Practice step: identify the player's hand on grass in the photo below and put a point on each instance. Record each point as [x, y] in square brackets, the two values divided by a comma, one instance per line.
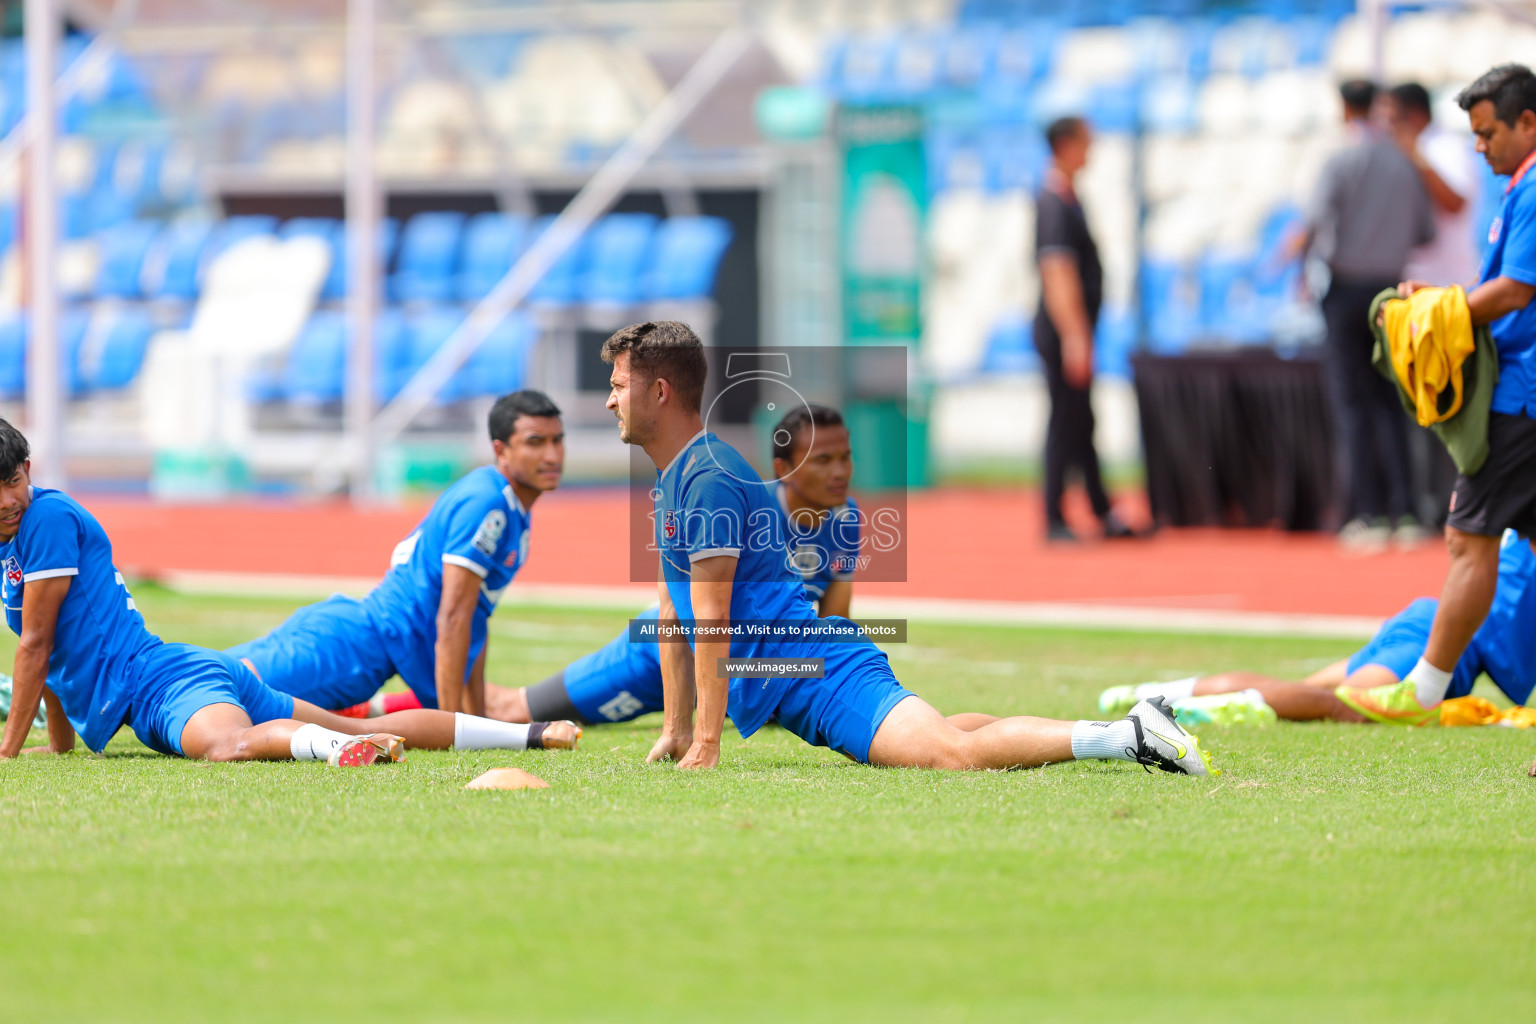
[702, 754]
[670, 747]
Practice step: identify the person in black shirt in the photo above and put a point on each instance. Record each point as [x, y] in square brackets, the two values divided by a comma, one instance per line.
[1071, 290]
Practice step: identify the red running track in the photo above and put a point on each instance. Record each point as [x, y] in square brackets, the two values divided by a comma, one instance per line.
[974, 544]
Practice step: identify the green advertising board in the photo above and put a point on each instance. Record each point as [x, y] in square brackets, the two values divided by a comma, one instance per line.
[884, 207]
[884, 215]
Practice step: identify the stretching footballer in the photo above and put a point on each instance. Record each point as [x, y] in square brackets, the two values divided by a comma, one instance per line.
[813, 465]
[1504, 647]
[84, 651]
[721, 564]
[428, 620]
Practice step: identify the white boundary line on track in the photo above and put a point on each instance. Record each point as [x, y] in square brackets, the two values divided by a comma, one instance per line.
[980, 613]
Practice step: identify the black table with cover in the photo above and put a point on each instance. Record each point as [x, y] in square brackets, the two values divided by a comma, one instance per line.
[1236, 438]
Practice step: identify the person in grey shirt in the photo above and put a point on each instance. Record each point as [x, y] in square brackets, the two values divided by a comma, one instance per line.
[1370, 210]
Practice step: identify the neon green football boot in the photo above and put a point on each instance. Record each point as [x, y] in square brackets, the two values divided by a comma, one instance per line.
[1246, 707]
[1391, 704]
[1117, 701]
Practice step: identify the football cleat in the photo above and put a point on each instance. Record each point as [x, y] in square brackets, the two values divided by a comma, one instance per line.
[1117, 701]
[1246, 707]
[1161, 742]
[360, 751]
[1391, 704]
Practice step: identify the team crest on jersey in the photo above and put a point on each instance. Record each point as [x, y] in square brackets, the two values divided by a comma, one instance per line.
[1494, 229]
[491, 529]
[12, 573]
[669, 524]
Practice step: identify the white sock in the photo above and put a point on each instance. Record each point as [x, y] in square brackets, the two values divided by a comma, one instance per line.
[1176, 690]
[473, 733]
[315, 742]
[1429, 683]
[376, 705]
[1103, 739]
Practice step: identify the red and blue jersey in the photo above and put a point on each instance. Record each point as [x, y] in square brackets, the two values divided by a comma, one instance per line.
[100, 633]
[1512, 254]
[478, 524]
[711, 502]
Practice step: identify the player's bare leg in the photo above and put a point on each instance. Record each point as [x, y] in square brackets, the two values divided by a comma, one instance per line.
[1295, 702]
[507, 703]
[443, 730]
[915, 735]
[1331, 677]
[223, 732]
[970, 721]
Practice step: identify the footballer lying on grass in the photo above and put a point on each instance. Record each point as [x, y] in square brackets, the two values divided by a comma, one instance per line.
[427, 621]
[1504, 647]
[718, 567]
[85, 651]
[813, 461]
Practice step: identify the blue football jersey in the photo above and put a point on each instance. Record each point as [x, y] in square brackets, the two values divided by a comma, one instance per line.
[710, 502]
[100, 631]
[478, 524]
[1506, 641]
[824, 551]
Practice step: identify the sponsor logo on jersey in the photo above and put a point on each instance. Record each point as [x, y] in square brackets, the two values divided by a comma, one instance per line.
[491, 529]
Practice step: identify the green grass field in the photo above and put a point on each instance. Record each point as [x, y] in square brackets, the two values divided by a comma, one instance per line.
[1333, 872]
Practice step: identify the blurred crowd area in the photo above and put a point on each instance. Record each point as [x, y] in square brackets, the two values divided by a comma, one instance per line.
[193, 136]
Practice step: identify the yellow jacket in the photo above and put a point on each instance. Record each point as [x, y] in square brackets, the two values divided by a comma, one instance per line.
[1429, 336]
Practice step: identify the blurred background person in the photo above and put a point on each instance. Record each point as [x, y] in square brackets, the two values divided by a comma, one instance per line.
[1445, 165]
[1071, 292]
[1368, 213]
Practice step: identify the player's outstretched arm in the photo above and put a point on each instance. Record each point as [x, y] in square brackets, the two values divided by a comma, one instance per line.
[455, 614]
[837, 599]
[676, 687]
[39, 616]
[710, 589]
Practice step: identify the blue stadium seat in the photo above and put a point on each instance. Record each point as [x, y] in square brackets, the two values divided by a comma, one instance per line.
[334, 233]
[1015, 156]
[1172, 304]
[500, 364]
[1115, 109]
[492, 243]
[1010, 346]
[860, 67]
[122, 252]
[174, 259]
[317, 363]
[1226, 298]
[916, 64]
[619, 249]
[13, 356]
[232, 231]
[686, 256]
[121, 354]
[425, 331]
[1168, 105]
[429, 257]
[966, 55]
[561, 284]
[74, 321]
[1115, 341]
